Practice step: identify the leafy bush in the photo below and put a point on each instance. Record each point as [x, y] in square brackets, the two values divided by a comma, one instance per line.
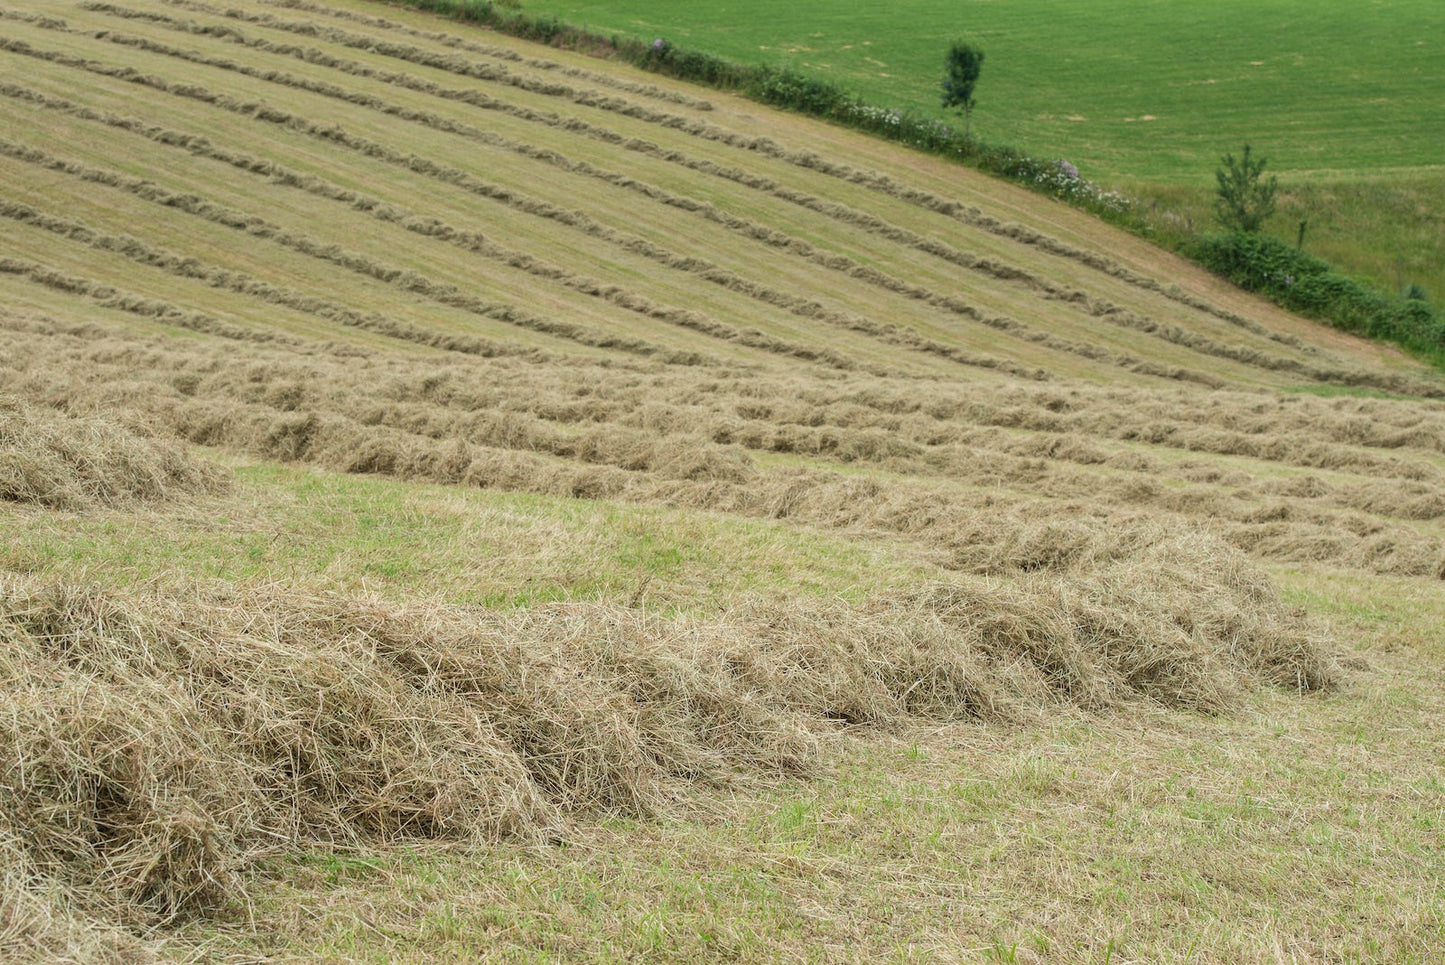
[787, 88]
[1305, 284]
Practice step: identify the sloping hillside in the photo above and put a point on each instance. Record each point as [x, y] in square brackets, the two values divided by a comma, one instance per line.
[396, 240]
[889, 441]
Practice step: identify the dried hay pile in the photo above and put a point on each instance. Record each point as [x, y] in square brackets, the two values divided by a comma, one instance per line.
[72, 463]
[154, 744]
[960, 469]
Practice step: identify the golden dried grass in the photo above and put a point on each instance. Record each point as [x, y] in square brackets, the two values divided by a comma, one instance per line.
[976, 473]
[40, 923]
[169, 736]
[440, 110]
[157, 742]
[53, 459]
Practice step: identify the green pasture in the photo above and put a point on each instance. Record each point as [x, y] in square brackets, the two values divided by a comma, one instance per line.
[1124, 88]
[1343, 99]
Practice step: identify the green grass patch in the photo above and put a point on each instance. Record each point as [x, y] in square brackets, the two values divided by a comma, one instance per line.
[1340, 391]
[1284, 75]
[1382, 227]
[463, 546]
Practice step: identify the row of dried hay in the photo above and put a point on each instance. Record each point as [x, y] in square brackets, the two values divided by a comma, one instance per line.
[539, 404]
[968, 494]
[705, 127]
[61, 461]
[156, 742]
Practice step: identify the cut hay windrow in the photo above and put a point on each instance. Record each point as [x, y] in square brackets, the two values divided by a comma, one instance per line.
[431, 227]
[294, 409]
[107, 296]
[971, 216]
[875, 424]
[255, 227]
[919, 445]
[887, 185]
[692, 448]
[169, 314]
[806, 307]
[158, 741]
[187, 266]
[42, 922]
[970, 529]
[695, 321]
[448, 294]
[51, 459]
[450, 41]
[454, 42]
[798, 306]
[863, 463]
[511, 424]
[743, 226]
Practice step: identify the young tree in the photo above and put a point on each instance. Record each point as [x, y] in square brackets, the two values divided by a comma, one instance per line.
[1245, 200]
[962, 68]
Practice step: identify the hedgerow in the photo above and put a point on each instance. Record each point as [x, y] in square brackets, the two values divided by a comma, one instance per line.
[1306, 284]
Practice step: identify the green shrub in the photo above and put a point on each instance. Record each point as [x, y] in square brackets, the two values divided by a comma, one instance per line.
[1255, 261]
[1305, 284]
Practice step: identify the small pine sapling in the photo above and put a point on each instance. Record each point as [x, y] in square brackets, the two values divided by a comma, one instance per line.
[1245, 199]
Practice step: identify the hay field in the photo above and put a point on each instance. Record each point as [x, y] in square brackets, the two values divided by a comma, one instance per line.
[459, 498]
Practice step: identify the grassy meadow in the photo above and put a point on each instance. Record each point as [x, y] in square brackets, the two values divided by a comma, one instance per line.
[465, 500]
[1147, 97]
